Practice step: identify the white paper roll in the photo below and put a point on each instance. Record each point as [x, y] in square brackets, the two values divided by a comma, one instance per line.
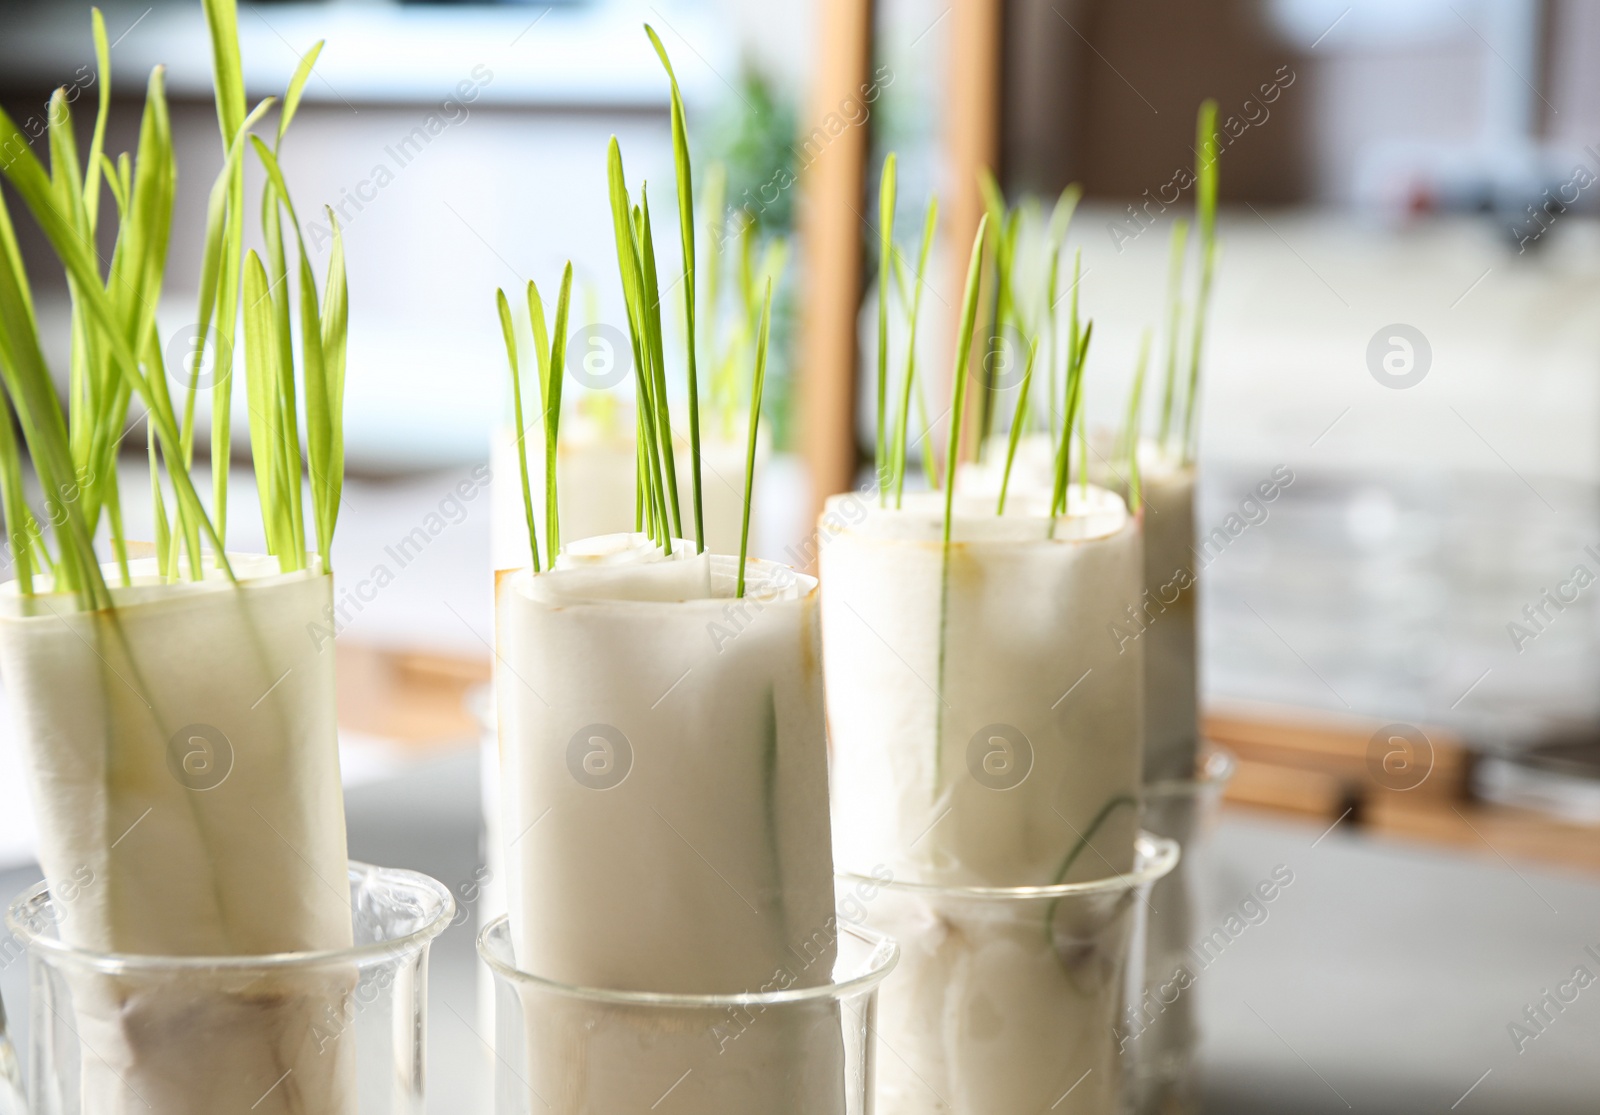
[1163, 617]
[985, 725]
[665, 811]
[182, 754]
[1168, 610]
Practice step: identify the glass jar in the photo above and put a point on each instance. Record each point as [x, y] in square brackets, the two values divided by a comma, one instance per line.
[1007, 998]
[786, 1047]
[1159, 1025]
[314, 1033]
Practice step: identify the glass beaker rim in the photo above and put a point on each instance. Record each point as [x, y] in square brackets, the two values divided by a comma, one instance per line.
[883, 953]
[1217, 767]
[23, 918]
[1154, 856]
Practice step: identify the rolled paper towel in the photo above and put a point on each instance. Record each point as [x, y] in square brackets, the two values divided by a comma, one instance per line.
[1166, 619]
[985, 723]
[665, 814]
[1162, 617]
[182, 754]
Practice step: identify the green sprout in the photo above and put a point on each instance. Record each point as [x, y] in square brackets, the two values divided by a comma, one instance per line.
[886, 202]
[757, 386]
[116, 353]
[958, 387]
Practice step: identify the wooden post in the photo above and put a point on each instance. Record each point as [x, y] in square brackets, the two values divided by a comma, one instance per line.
[832, 199]
[972, 142]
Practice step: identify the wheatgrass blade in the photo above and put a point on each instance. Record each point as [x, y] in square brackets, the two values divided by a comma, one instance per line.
[1130, 436]
[886, 205]
[1208, 149]
[651, 306]
[958, 387]
[335, 338]
[1018, 420]
[686, 234]
[757, 387]
[1174, 323]
[552, 417]
[509, 331]
[930, 225]
[97, 142]
[297, 86]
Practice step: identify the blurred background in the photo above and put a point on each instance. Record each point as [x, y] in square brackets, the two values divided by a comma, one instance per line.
[1419, 167]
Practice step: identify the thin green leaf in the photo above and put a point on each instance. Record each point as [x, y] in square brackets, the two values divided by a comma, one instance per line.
[558, 357]
[44, 428]
[508, 330]
[1174, 322]
[165, 557]
[319, 434]
[929, 226]
[1208, 151]
[19, 522]
[1018, 420]
[1079, 355]
[261, 369]
[650, 305]
[66, 174]
[886, 206]
[218, 264]
[113, 318]
[97, 144]
[1130, 425]
[335, 342]
[958, 390]
[630, 269]
[222, 17]
[541, 341]
[297, 87]
[757, 388]
[686, 235]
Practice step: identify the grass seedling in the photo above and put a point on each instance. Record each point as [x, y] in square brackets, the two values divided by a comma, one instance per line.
[929, 226]
[552, 413]
[914, 386]
[1128, 442]
[1083, 444]
[657, 510]
[757, 387]
[116, 352]
[886, 203]
[650, 311]
[958, 399]
[1060, 219]
[1207, 151]
[1018, 420]
[655, 426]
[1175, 257]
[1069, 394]
[550, 350]
[686, 231]
[1180, 401]
[1000, 257]
[958, 386]
[1077, 355]
[508, 329]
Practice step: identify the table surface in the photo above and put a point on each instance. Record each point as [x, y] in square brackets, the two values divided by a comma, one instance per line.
[1382, 980]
